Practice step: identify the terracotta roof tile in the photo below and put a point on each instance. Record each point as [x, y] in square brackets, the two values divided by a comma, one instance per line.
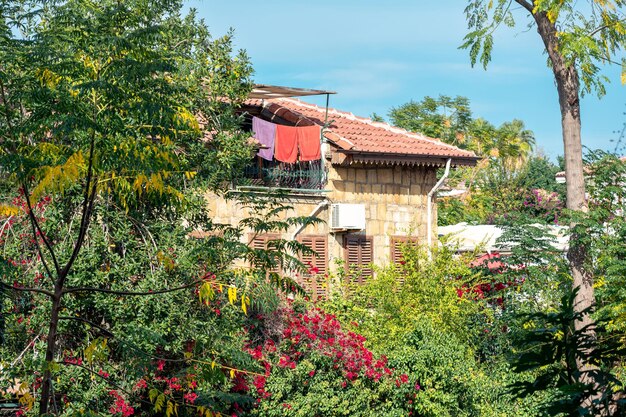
[358, 134]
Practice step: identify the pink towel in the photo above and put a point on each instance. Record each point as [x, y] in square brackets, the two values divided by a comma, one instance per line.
[286, 144]
[309, 143]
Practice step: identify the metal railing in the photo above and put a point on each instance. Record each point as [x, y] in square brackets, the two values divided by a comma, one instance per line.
[301, 175]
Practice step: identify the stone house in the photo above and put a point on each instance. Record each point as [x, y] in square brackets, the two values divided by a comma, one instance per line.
[370, 186]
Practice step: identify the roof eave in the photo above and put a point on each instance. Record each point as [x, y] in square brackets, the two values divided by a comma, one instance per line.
[350, 157]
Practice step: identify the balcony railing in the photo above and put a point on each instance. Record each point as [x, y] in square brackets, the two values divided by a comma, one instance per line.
[302, 175]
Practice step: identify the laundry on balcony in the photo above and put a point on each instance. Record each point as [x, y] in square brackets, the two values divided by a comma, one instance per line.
[309, 143]
[265, 133]
[288, 144]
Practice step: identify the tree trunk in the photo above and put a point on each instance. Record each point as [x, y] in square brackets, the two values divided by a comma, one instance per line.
[46, 386]
[568, 87]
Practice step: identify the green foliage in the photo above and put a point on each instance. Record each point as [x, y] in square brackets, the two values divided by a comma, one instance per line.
[602, 231]
[196, 338]
[427, 318]
[528, 193]
[444, 118]
[587, 35]
[450, 119]
[111, 92]
[377, 118]
[115, 118]
[506, 177]
[546, 345]
[550, 348]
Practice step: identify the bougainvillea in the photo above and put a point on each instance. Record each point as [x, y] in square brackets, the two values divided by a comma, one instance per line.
[314, 367]
[543, 205]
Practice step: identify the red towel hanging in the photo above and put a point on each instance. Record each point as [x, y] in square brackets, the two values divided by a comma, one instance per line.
[309, 143]
[286, 144]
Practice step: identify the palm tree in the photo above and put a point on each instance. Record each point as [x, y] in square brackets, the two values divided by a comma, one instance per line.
[515, 145]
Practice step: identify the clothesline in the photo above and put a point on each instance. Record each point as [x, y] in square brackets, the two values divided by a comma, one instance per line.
[288, 144]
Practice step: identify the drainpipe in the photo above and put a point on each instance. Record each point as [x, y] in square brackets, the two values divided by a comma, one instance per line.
[313, 213]
[429, 208]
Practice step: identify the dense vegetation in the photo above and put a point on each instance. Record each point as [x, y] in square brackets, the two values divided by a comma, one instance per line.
[116, 117]
[511, 181]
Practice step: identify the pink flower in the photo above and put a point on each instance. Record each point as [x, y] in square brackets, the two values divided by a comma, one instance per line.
[190, 397]
[141, 384]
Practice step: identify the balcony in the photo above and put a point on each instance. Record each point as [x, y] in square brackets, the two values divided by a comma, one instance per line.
[301, 176]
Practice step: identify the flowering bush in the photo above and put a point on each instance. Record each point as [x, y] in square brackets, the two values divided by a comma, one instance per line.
[316, 368]
[544, 205]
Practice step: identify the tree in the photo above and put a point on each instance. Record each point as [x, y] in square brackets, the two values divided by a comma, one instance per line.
[515, 144]
[577, 41]
[99, 108]
[450, 119]
[445, 118]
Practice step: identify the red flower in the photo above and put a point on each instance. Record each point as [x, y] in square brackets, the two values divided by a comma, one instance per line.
[190, 397]
[120, 406]
[141, 384]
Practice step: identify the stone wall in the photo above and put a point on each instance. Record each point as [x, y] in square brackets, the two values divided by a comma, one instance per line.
[394, 199]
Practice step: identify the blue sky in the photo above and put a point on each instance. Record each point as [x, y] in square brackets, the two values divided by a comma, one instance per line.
[377, 55]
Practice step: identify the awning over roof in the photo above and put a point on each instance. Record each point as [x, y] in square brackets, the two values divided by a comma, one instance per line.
[361, 140]
[262, 91]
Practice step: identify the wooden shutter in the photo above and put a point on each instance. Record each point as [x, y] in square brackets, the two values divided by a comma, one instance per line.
[397, 243]
[261, 242]
[316, 284]
[359, 255]
[396, 251]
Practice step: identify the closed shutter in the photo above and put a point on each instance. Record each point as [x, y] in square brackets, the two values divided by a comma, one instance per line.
[397, 245]
[261, 242]
[396, 250]
[359, 255]
[316, 282]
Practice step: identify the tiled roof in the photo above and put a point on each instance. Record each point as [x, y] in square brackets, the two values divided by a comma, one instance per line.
[353, 134]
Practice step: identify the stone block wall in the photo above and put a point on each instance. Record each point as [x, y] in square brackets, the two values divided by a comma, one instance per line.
[394, 198]
[395, 202]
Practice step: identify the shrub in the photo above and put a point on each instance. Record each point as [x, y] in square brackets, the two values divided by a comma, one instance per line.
[316, 368]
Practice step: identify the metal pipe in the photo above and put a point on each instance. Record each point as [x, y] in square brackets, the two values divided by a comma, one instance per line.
[322, 142]
[429, 208]
[313, 213]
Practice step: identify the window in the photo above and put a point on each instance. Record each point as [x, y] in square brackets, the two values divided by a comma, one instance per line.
[315, 283]
[396, 246]
[358, 252]
[397, 243]
[262, 242]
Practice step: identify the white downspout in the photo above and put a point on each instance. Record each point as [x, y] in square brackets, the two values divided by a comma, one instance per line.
[313, 213]
[429, 208]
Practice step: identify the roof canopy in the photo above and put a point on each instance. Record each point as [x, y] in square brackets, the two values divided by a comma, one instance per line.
[361, 140]
[262, 91]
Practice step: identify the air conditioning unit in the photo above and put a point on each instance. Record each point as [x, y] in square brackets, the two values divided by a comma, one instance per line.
[347, 217]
